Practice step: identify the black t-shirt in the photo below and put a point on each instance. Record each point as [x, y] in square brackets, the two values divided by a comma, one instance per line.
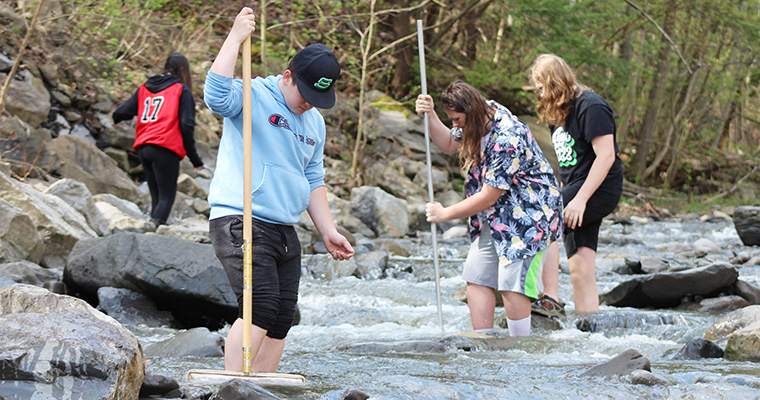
[589, 117]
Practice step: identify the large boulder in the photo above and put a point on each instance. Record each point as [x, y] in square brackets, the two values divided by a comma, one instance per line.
[747, 224]
[664, 290]
[58, 347]
[59, 224]
[180, 276]
[380, 211]
[88, 164]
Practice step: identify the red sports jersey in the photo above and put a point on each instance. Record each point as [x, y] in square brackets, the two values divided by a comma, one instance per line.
[158, 119]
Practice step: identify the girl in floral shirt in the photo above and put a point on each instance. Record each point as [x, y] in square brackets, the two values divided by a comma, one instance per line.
[513, 204]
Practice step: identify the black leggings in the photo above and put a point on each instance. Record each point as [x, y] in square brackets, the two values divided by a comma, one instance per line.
[161, 168]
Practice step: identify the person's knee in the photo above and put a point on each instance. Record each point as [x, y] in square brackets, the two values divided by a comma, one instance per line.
[283, 320]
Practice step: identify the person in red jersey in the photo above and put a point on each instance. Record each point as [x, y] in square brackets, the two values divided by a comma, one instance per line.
[164, 134]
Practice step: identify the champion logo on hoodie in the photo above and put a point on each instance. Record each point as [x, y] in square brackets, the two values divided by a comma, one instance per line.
[280, 121]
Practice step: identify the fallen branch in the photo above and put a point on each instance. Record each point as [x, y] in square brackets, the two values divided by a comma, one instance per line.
[733, 189]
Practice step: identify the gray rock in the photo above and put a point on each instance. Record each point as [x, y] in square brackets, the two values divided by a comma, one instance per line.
[54, 345]
[353, 394]
[32, 148]
[183, 277]
[59, 224]
[132, 308]
[380, 211]
[196, 342]
[29, 273]
[157, 385]
[747, 224]
[19, 239]
[728, 323]
[237, 389]
[404, 346]
[78, 196]
[666, 289]
[603, 321]
[25, 100]
[698, 348]
[89, 165]
[622, 364]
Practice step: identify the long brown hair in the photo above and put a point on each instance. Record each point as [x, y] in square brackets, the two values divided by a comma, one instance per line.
[463, 98]
[177, 65]
[560, 88]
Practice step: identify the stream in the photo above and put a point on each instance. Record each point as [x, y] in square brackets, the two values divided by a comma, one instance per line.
[546, 365]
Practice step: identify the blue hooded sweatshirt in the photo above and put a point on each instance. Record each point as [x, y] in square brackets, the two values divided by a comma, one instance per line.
[287, 151]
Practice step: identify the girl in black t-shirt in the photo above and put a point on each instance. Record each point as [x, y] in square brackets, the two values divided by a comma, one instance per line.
[583, 134]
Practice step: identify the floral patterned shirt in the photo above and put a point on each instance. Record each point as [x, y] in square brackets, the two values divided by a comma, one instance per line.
[528, 215]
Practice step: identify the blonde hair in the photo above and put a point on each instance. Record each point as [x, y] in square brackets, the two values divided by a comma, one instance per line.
[463, 98]
[560, 88]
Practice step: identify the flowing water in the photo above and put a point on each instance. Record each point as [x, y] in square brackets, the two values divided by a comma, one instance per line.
[546, 365]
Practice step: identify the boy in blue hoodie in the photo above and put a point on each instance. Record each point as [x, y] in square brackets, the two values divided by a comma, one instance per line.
[288, 177]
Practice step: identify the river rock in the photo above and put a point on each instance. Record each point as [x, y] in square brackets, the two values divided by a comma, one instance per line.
[371, 265]
[707, 246]
[747, 291]
[182, 277]
[237, 389]
[747, 224]
[89, 165]
[744, 344]
[196, 342]
[132, 308]
[380, 211]
[605, 321]
[19, 239]
[722, 304]
[59, 224]
[58, 347]
[622, 364]
[664, 290]
[353, 394]
[728, 323]
[403, 346]
[641, 377]
[78, 196]
[158, 385]
[323, 266]
[698, 348]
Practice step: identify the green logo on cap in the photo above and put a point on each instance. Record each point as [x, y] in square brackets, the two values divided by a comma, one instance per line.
[323, 83]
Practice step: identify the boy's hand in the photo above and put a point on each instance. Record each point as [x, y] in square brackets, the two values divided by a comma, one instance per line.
[338, 246]
[244, 26]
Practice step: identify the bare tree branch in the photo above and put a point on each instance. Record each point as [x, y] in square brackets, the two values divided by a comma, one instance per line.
[663, 32]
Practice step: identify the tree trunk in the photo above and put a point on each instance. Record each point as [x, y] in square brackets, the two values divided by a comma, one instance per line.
[648, 129]
[404, 54]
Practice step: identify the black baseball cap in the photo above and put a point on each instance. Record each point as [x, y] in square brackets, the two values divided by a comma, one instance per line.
[316, 69]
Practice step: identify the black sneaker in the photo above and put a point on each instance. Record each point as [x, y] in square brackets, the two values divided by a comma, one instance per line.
[548, 307]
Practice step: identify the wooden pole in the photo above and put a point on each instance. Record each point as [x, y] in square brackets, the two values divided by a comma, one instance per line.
[247, 217]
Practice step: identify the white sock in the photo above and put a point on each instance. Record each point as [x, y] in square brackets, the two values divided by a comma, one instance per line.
[520, 327]
[484, 331]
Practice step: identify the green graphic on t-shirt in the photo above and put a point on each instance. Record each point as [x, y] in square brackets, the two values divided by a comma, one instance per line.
[563, 146]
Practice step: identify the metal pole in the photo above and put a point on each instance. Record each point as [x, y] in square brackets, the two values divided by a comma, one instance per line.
[247, 217]
[423, 82]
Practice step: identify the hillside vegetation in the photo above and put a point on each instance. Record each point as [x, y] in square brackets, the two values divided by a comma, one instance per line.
[681, 76]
